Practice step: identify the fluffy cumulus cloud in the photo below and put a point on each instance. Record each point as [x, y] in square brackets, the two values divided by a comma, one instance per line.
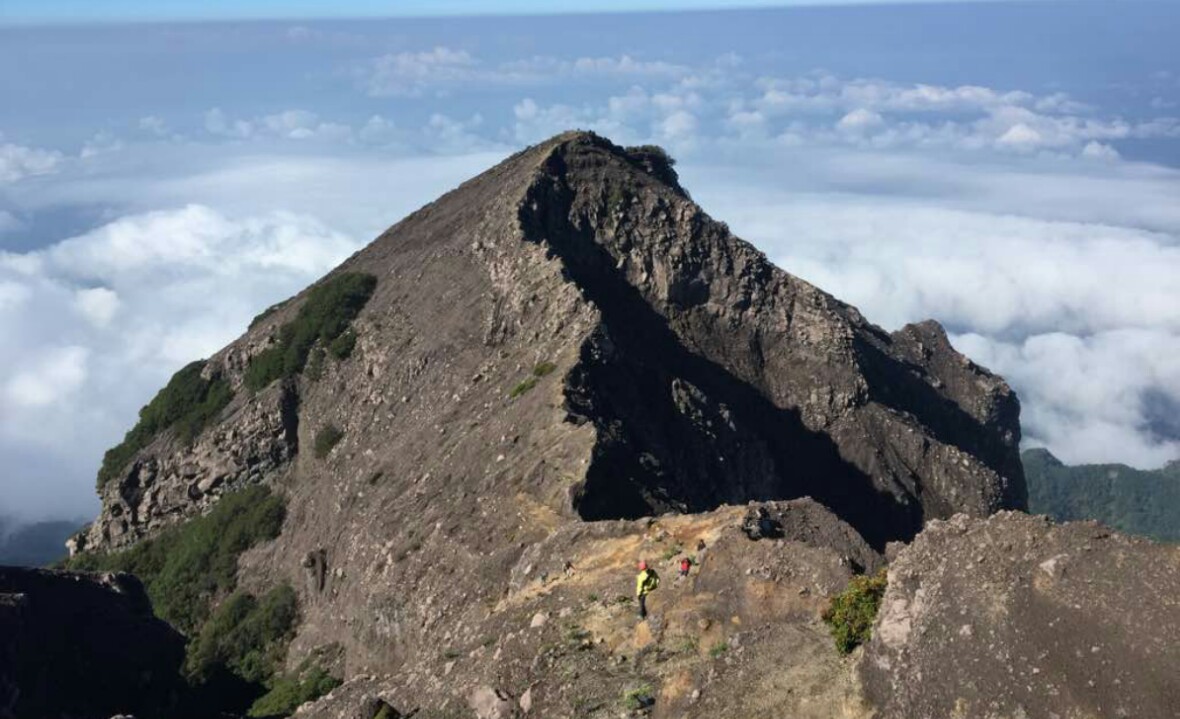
[96, 323]
[18, 161]
[288, 124]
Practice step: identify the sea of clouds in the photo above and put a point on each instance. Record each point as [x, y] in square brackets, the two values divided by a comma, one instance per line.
[1009, 214]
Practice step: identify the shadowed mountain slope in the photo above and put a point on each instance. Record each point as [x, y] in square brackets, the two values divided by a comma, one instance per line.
[566, 337]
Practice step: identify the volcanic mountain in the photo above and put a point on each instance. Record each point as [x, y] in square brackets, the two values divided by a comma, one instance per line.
[560, 366]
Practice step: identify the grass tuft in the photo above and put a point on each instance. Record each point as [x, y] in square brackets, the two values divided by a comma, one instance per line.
[850, 615]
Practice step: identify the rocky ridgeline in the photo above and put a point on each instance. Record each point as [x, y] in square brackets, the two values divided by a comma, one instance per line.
[565, 365]
[702, 374]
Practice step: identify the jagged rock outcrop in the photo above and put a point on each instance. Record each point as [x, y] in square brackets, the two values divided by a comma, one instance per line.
[1014, 616]
[174, 480]
[702, 374]
[568, 337]
[76, 646]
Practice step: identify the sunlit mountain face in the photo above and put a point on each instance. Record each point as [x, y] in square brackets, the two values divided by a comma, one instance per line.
[1007, 169]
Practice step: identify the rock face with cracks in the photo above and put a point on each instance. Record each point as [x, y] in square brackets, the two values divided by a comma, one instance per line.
[688, 371]
[562, 359]
[1013, 616]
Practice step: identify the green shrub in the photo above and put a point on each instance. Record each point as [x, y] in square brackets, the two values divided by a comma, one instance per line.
[186, 404]
[341, 348]
[261, 316]
[325, 315]
[287, 693]
[850, 615]
[718, 649]
[328, 437]
[186, 566]
[639, 698]
[524, 386]
[543, 369]
[315, 365]
[245, 635]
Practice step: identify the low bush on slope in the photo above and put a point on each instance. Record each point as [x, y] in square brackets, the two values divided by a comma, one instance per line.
[237, 642]
[850, 615]
[324, 318]
[187, 566]
[186, 404]
[289, 692]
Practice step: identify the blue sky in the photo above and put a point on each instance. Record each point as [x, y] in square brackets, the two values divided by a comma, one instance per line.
[1010, 169]
[71, 11]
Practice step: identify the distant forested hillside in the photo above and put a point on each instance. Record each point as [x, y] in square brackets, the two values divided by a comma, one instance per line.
[1130, 500]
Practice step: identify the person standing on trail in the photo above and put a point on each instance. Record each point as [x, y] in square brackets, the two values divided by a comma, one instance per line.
[646, 582]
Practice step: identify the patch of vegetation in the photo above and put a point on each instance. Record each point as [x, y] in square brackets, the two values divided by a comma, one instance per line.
[623, 599]
[525, 385]
[592, 597]
[575, 634]
[672, 551]
[261, 316]
[246, 635]
[850, 615]
[325, 315]
[186, 566]
[718, 649]
[688, 645]
[1145, 502]
[315, 365]
[287, 693]
[452, 654]
[638, 698]
[186, 404]
[341, 348]
[543, 369]
[328, 437]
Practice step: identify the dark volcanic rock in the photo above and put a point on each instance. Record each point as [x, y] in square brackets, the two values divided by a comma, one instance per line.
[1014, 616]
[84, 645]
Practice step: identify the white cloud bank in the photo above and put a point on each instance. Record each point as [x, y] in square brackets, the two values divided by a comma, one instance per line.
[95, 324]
[1009, 216]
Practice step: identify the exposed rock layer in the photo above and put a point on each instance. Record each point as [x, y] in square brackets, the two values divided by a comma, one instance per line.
[1015, 616]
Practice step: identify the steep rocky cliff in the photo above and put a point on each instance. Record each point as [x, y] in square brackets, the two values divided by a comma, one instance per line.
[565, 338]
[687, 371]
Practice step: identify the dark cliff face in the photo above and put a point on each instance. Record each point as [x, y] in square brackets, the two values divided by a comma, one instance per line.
[715, 377]
[566, 337]
[78, 646]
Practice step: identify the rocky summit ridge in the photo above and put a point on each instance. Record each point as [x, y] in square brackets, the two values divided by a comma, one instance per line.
[477, 424]
[683, 371]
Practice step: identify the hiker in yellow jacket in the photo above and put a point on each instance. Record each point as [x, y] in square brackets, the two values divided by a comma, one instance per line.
[645, 583]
